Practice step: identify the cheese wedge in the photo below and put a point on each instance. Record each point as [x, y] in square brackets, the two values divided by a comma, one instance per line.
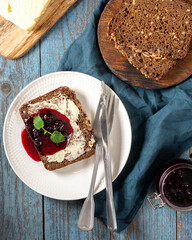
[23, 13]
[4, 6]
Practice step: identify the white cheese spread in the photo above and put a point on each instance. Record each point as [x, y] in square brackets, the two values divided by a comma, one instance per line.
[23, 13]
[71, 111]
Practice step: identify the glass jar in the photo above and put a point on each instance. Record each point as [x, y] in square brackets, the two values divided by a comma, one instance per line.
[174, 186]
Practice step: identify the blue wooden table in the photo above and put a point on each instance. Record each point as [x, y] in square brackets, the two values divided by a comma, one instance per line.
[25, 214]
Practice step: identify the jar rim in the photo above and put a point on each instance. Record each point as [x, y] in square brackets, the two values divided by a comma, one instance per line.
[162, 179]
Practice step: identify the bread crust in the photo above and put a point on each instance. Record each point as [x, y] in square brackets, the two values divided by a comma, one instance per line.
[83, 122]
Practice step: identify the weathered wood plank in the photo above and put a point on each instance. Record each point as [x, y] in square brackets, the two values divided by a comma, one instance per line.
[61, 218]
[134, 230]
[158, 224]
[184, 223]
[184, 220]
[20, 207]
[150, 224]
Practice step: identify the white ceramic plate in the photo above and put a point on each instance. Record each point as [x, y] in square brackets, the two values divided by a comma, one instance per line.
[73, 181]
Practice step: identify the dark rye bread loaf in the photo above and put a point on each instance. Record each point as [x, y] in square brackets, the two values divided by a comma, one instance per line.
[83, 122]
[163, 28]
[151, 67]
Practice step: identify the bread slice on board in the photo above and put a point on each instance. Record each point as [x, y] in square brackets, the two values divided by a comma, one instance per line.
[163, 28]
[148, 66]
[82, 143]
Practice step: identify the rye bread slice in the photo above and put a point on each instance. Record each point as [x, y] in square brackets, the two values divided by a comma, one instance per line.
[83, 122]
[163, 28]
[148, 66]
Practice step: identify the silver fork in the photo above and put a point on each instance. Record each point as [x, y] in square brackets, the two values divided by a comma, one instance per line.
[86, 217]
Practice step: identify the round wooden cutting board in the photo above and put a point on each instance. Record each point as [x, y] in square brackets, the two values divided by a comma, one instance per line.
[120, 66]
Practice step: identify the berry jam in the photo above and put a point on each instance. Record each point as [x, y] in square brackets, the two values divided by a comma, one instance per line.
[53, 121]
[29, 146]
[177, 187]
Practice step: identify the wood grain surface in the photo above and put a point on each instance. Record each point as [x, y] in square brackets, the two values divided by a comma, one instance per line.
[15, 42]
[26, 215]
[120, 66]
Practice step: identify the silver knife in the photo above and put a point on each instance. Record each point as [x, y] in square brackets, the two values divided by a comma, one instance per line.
[111, 215]
[86, 217]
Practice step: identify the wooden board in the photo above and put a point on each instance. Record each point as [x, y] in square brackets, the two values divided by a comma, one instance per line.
[15, 42]
[120, 66]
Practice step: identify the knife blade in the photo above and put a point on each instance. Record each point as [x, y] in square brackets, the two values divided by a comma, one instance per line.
[111, 215]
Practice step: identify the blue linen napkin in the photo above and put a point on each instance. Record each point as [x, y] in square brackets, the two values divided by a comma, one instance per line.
[161, 123]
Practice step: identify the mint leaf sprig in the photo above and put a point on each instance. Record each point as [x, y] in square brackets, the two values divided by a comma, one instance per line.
[55, 137]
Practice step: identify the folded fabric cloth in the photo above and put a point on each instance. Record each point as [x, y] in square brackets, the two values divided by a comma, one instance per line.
[160, 119]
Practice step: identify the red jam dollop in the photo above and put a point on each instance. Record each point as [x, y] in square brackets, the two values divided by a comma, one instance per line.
[29, 146]
[36, 139]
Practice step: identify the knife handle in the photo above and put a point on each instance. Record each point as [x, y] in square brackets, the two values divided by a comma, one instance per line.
[111, 215]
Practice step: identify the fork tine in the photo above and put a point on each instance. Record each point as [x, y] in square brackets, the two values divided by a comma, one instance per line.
[110, 110]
